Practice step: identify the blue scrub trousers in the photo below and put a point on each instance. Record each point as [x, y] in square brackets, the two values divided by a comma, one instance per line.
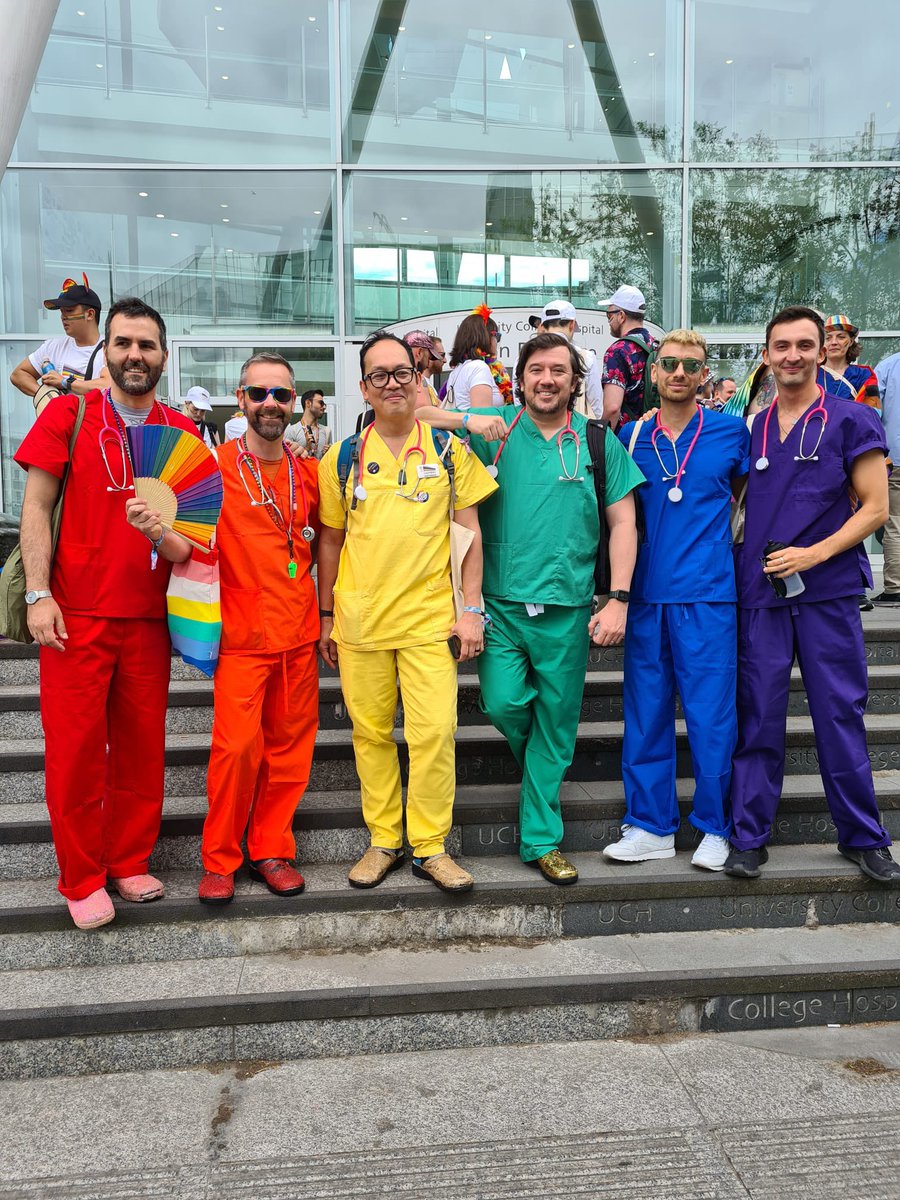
[692, 647]
[827, 638]
[532, 680]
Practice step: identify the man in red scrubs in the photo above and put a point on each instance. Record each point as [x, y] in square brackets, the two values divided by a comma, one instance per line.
[266, 683]
[98, 613]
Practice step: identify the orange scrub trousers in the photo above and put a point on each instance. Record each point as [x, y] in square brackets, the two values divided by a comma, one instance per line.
[393, 612]
[266, 682]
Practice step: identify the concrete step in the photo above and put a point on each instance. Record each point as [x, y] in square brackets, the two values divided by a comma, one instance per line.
[330, 828]
[276, 1006]
[802, 886]
[482, 757]
[191, 702]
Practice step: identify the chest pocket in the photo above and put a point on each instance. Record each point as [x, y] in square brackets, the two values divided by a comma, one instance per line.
[823, 480]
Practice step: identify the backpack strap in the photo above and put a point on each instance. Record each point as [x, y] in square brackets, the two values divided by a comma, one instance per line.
[348, 459]
[635, 434]
[596, 440]
[89, 369]
[636, 341]
[443, 445]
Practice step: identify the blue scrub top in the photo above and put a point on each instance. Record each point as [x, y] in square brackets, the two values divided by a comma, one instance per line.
[800, 503]
[686, 555]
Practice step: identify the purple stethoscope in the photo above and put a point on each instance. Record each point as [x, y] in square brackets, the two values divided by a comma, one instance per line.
[117, 432]
[818, 410]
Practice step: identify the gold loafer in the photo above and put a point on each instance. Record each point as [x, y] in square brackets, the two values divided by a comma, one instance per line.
[556, 867]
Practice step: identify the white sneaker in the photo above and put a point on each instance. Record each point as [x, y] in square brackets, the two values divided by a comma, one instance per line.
[711, 853]
[637, 845]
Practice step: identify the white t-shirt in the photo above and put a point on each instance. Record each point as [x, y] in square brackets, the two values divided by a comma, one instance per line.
[234, 427]
[466, 376]
[63, 354]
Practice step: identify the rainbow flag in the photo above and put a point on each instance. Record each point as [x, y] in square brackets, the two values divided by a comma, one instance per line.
[195, 618]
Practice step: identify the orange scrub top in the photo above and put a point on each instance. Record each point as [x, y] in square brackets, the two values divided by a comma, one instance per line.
[264, 611]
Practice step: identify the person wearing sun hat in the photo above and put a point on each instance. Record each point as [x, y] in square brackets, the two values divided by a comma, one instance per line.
[841, 374]
[74, 363]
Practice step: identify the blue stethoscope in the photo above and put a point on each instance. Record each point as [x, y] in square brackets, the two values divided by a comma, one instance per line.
[818, 410]
[117, 433]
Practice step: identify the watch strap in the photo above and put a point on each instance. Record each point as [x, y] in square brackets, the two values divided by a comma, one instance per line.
[622, 596]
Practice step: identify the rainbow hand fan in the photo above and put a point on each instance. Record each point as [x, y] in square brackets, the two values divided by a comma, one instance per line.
[176, 474]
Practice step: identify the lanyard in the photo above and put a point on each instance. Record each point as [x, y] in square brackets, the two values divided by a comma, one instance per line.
[268, 501]
[675, 492]
[818, 409]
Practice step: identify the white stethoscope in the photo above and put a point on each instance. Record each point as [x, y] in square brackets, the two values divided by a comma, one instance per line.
[818, 410]
[566, 435]
[675, 492]
[117, 433]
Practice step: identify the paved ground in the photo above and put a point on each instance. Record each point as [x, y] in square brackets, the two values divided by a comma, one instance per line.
[810, 1113]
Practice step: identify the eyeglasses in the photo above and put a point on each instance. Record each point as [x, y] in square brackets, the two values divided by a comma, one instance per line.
[281, 395]
[613, 312]
[379, 378]
[692, 366]
[438, 357]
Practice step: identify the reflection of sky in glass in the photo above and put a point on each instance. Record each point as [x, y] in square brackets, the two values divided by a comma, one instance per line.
[528, 271]
[471, 270]
[377, 265]
[420, 266]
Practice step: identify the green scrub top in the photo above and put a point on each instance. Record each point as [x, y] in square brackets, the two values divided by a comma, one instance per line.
[541, 532]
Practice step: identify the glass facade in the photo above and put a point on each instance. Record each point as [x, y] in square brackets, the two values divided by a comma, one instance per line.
[295, 174]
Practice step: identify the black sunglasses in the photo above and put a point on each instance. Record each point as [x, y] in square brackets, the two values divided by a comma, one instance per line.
[257, 393]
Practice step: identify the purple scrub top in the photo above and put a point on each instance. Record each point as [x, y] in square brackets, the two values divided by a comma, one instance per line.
[800, 503]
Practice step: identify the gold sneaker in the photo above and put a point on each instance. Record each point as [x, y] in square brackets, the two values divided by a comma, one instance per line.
[555, 867]
[442, 870]
[373, 866]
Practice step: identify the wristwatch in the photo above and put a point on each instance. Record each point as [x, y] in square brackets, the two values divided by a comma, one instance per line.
[622, 597]
[33, 597]
[68, 380]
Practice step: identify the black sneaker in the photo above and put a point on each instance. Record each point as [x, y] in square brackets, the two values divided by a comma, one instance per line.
[865, 604]
[887, 598]
[877, 864]
[745, 864]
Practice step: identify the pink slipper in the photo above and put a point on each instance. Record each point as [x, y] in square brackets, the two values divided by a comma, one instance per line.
[93, 911]
[138, 888]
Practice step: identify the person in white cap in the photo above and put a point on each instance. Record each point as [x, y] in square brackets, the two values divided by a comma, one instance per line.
[559, 316]
[626, 358]
[196, 405]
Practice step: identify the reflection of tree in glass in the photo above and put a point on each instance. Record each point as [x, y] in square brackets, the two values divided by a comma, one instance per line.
[768, 236]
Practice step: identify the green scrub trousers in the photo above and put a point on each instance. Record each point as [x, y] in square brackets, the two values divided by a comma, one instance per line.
[532, 680]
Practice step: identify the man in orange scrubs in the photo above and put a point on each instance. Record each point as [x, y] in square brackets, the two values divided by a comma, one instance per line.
[99, 615]
[266, 682]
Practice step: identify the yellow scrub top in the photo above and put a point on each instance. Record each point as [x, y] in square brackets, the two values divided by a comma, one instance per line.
[393, 584]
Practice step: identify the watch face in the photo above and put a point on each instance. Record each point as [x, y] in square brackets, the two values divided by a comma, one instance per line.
[30, 597]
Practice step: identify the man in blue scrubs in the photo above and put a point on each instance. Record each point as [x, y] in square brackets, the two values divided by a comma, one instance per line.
[682, 623]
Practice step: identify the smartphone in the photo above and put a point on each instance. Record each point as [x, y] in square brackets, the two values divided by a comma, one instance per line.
[455, 645]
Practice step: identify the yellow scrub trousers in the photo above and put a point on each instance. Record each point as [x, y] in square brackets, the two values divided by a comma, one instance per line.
[428, 689]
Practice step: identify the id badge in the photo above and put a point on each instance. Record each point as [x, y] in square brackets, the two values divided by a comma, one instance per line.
[428, 471]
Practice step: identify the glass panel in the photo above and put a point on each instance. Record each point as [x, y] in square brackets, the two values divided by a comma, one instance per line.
[511, 239]
[218, 369]
[508, 82]
[210, 250]
[789, 82]
[181, 81]
[16, 418]
[761, 239]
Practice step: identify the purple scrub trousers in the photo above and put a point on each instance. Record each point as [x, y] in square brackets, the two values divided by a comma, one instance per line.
[827, 638]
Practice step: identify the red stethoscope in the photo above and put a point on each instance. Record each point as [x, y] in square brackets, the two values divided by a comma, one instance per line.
[818, 410]
[675, 492]
[415, 495]
[566, 435]
[266, 497]
[117, 432]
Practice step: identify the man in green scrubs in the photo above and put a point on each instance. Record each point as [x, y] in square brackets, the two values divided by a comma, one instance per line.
[540, 533]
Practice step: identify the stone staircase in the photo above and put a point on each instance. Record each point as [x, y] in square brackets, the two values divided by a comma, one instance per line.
[631, 950]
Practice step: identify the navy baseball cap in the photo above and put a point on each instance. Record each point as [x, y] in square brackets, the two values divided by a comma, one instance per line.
[73, 294]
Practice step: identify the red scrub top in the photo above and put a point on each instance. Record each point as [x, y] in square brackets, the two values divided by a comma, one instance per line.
[102, 564]
[264, 611]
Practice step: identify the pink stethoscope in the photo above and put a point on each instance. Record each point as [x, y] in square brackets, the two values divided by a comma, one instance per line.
[121, 439]
[567, 433]
[415, 495]
[818, 410]
[675, 492]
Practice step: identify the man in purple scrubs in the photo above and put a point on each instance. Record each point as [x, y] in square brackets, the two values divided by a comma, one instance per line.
[807, 451]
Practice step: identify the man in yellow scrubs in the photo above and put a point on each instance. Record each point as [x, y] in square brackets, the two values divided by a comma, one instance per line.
[387, 611]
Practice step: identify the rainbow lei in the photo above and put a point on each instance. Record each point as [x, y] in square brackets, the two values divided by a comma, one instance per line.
[500, 375]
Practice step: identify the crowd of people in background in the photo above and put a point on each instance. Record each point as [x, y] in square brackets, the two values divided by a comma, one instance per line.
[511, 518]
